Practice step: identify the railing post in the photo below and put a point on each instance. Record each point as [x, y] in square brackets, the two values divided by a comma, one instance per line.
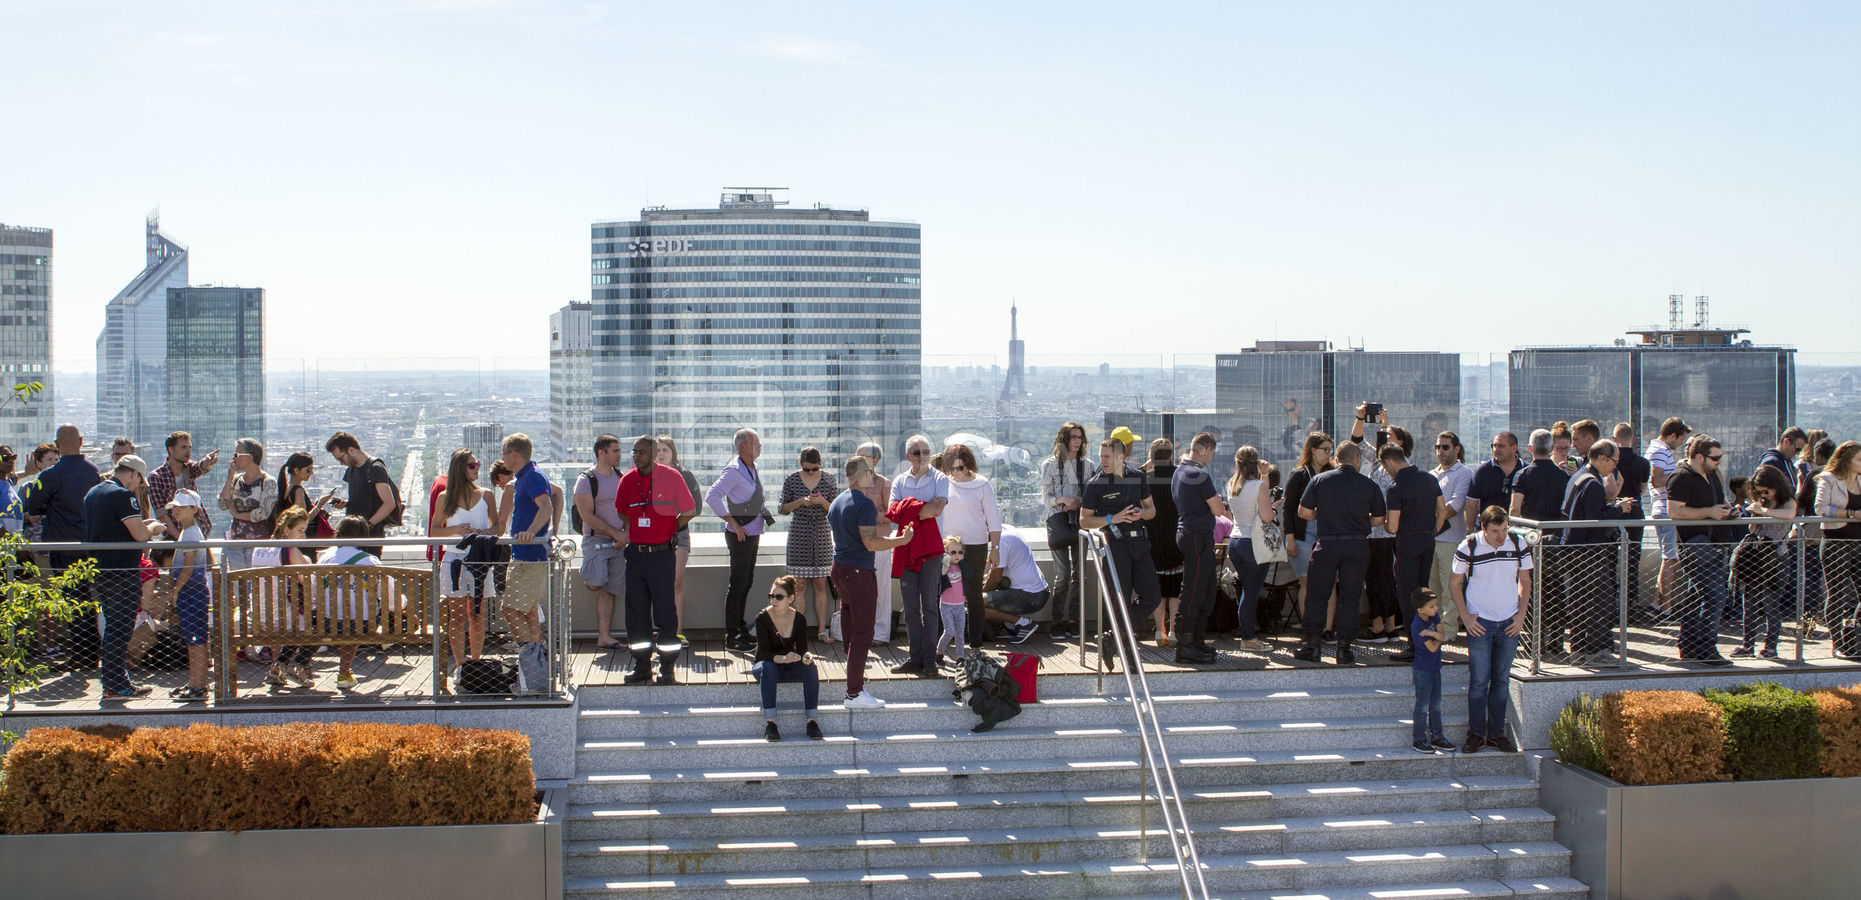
[1802, 587]
[1537, 600]
[225, 629]
[1078, 587]
[1622, 567]
[433, 617]
[1143, 803]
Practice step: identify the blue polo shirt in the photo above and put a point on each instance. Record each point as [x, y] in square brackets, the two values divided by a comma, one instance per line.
[1425, 659]
[58, 494]
[845, 515]
[531, 483]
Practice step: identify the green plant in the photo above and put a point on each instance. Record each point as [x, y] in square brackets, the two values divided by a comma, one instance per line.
[1577, 735]
[28, 599]
[1770, 732]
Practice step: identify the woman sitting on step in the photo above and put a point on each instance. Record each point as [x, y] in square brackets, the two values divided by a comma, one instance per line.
[782, 655]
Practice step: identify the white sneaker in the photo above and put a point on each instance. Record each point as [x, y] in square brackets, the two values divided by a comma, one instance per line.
[865, 700]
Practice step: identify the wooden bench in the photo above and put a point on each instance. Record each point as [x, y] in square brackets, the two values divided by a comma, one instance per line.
[279, 606]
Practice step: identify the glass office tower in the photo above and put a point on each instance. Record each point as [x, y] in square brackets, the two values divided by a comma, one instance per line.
[26, 334]
[571, 385]
[132, 349]
[801, 323]
[215, 367]
[1273, 395]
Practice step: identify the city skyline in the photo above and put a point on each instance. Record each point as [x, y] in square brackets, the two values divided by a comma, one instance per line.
[1305, 168]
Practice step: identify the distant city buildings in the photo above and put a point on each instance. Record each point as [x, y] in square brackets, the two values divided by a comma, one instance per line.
[1272, 395]
[571, 384]
[26, 333]
[1014, 387]
[215, 365]
[1741, 393]
[803, 323]
[132, 350]
[485, 439]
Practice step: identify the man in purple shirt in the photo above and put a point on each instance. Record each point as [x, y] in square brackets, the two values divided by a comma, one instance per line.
[737, 498]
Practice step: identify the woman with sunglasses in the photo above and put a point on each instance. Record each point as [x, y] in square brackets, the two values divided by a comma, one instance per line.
[782, 655]
[806, 494]
[464, 509]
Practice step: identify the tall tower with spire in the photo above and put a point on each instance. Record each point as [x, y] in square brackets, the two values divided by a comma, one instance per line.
[1014, 388]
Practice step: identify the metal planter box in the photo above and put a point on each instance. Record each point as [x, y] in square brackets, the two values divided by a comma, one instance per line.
[503, 861]
[1710, 841]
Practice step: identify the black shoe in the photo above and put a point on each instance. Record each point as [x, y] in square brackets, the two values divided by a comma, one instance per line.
[642, 671]
[1502, 744]
[1021, 633]
[1404, 656]
[771, 733]
[1345, 657]
[1715, 661]
[1063, 632]
[1108, 650]
[1441, 743]
[1330, 637]
[814, 731]
[908, 668]
[1417, 746]
[668, 672]
[1474, 743]
[740, 641]
[1194, 655]
[1307, 651]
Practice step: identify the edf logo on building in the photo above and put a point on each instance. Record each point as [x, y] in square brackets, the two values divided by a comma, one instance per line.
[658, 246]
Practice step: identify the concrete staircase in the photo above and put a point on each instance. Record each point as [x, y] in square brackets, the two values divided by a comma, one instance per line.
[1296, 783]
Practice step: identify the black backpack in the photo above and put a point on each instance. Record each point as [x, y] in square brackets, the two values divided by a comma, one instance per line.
[487, 676]
[394, 518]
[991, 692]
[575, 512]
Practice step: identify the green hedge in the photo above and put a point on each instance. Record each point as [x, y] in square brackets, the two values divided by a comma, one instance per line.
[1770, 732]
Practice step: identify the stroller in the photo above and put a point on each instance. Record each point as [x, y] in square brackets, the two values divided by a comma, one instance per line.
[1277, 610]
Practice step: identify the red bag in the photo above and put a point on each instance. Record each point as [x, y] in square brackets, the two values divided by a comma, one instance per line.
[1024, 668]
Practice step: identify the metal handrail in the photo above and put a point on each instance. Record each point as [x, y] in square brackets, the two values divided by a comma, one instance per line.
[1157, 763]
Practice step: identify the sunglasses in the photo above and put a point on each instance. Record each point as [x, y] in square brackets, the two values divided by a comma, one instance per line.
[777, 595]
[1444, 446]
[472, 465]
[810, 469]
[1716, 458]
[959, 467]
[917, 452]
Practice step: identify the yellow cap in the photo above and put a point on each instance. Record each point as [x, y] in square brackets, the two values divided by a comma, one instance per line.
[1123, 433]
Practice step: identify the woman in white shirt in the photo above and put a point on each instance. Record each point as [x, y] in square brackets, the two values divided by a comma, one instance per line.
[1249, 504]
[971, 517]
[464, 509]
[346, 601]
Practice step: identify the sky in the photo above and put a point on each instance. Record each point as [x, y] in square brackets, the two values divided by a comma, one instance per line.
[413, 182]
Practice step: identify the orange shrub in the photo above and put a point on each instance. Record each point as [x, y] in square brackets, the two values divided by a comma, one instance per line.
[1838, 717]
[1662, 737]
[298, 775]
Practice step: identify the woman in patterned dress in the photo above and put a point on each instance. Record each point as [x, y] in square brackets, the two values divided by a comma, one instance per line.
[806, 494]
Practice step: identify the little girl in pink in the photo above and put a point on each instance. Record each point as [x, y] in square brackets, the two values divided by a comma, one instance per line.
[950, 601]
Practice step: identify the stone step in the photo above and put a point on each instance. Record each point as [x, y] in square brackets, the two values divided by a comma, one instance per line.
[1535, 888]
[1394, 678]
[683, 780]
[742, 715]
[780, 849]
[1505, 862]
[1085, 809]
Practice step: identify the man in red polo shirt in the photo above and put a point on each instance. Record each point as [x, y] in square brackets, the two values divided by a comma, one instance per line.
[654, 501]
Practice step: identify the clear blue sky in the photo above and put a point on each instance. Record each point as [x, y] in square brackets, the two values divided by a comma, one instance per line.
[1501, 175]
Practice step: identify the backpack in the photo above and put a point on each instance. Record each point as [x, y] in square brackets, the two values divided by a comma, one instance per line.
[575, 512]
[394, 518]
[991, 693]
[1472, 541]
[487, 676]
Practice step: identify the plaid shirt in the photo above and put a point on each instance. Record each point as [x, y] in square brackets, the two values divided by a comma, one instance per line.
[162, 486]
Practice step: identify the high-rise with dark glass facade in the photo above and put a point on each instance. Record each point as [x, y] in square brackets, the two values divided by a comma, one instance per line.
[801, 323]
[1740, 393]
[216, 366]
[1272, 395]
[132, 349]
[571, 385]
[26, 333]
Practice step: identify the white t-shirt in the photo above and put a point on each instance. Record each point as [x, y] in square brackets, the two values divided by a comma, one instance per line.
[183, 559]
[1660, 459]
[337, 602]
[1018, 565]
[1492, 575]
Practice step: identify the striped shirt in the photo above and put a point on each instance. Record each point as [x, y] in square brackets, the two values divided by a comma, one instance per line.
[1494, 595]
[1660, 459]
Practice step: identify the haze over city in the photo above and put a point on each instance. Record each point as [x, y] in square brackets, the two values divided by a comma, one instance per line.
[417, 180]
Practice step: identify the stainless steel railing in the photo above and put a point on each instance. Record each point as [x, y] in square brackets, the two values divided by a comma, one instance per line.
[1156, 755]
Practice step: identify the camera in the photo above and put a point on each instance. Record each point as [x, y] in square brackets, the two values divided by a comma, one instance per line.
[1371, 411]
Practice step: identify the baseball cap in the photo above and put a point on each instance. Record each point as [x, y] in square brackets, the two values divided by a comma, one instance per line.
[185, 497]
[1123, 433]
[134, 463]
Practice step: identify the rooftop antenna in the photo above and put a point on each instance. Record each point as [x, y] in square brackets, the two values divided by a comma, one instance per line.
[1676, 311]
[1702, 309]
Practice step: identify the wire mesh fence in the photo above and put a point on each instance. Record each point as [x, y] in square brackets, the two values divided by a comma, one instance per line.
[287, 623]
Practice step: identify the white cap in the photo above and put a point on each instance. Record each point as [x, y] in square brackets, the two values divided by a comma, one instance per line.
[185, 497]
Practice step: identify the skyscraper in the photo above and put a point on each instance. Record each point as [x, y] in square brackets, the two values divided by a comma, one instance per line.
[803, 323]
[1741, 393]
[1275, 393]
[132, 350]
[215, 366]
[487, 440]
[26, 333]
[571, 384]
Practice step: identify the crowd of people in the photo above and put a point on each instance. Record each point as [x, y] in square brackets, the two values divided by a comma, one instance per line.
[1432, 553]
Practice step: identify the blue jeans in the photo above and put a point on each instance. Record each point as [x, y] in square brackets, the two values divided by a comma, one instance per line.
[1427, 704]
[1253, 581]
[1489, 670]
[1705, 566]
[773, 673]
